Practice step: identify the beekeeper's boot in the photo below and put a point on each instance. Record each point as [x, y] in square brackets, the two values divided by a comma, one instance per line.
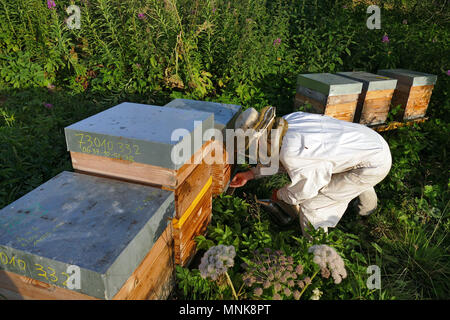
[366, 203]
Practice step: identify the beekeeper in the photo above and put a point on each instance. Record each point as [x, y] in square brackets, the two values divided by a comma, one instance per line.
[329, 162]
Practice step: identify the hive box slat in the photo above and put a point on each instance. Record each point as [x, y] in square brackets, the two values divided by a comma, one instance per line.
[102, 226]
[375, 99]
[193, 223]
[138, 172]
[224, 118]
[413, 91]
[329, 94]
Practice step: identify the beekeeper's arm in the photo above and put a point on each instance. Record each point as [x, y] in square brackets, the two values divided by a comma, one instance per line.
[308, 176]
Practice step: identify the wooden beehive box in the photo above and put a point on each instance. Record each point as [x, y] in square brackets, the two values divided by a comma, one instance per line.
[135, 142]
[117, 234]
[413, 91]
[329, 94]
[375, 99]
[224, 118]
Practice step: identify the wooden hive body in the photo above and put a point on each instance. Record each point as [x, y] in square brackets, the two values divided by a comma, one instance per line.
[413, 91]
[186, 179]
[375, 99]
[117, 234]
[224, 118]
[329, 94]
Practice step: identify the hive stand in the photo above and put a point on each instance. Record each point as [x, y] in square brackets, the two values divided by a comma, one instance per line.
[329, 94]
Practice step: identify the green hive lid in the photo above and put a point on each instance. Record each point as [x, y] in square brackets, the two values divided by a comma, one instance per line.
[329, 84]
[224, 114]
[371, 81]
[409, 77]
[103, 226]
[140, 133]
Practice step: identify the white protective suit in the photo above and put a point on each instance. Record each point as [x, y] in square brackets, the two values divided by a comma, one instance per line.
[330, 162]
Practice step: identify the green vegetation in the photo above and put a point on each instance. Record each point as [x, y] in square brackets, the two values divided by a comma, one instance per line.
[246, 52]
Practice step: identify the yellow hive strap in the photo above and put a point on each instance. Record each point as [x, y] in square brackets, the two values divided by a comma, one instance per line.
[178, 223]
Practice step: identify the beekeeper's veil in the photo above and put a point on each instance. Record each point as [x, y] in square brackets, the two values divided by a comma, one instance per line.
[256, 128]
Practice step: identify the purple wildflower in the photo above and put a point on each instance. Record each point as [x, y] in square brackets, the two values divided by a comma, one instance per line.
[277, 41]
[214, 10]
[48, 105]
[448, 72]
[385, 39]
[141, 16]
[51, 4]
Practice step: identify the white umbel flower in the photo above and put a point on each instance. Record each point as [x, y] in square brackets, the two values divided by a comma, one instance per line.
[316, 294]
[216, 261]
[327, 258]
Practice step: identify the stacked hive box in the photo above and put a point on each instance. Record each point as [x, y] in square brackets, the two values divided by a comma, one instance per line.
[116, 234]
[329, 94]
[224, 118]
[152, 145]
[375, 99]
[83, 237]
[413, 91]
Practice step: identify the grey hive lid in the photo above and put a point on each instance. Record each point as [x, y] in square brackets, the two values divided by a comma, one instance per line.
[141, 131]
[371, 81]
[103, 226]
[329, 84]
[224, 114]
[409, 77]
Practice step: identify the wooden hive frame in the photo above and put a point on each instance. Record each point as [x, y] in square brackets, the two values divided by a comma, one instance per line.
[221, 171]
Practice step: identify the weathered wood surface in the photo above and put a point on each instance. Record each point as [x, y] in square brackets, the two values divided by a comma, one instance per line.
[414, 101]
[193, 223]
[155, 277]
[339, 108]
[373, 107]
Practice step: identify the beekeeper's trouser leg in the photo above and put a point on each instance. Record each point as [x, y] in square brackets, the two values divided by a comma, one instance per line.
[366, 203]
[328, 206]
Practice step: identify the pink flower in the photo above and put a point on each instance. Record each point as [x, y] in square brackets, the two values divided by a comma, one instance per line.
[448, 72]
[51, 4]
[277, 41]
[385, 39]
[141, 16]
[214, 10]
[48, 105]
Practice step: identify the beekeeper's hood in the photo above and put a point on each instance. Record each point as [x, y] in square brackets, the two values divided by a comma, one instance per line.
[261, 125]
